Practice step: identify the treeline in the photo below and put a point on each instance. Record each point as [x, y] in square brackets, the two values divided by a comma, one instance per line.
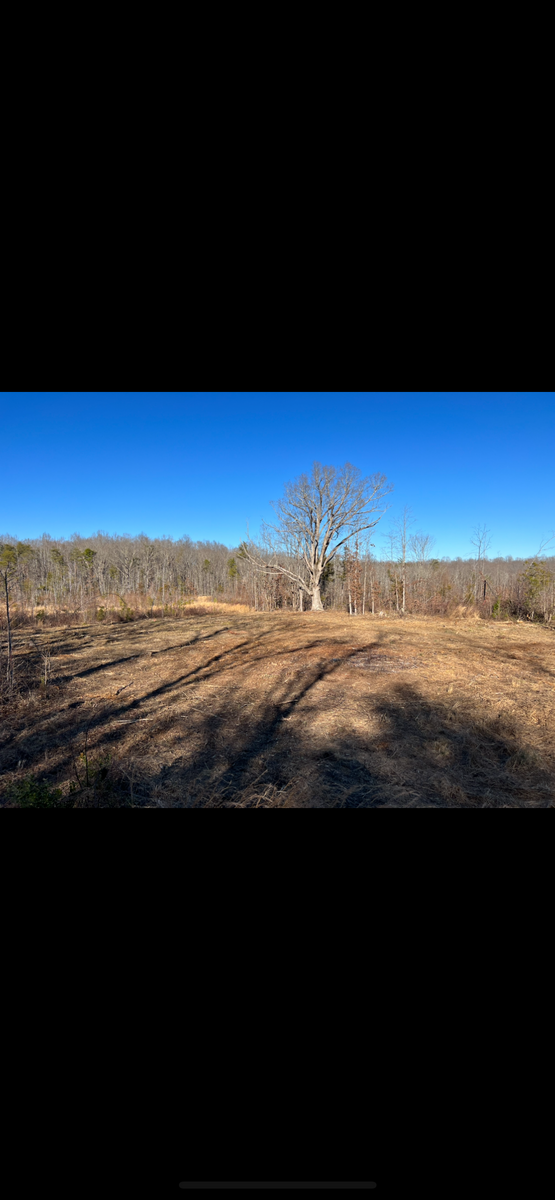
[121, 578]
[498, 587]
[103, 573]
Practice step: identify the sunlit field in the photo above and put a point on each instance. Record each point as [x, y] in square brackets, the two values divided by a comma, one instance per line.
[230, 708]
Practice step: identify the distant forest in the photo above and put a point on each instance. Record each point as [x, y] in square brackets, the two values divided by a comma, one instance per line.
[118, 578]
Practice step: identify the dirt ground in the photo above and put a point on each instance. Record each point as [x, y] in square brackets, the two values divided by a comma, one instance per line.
[288, 710]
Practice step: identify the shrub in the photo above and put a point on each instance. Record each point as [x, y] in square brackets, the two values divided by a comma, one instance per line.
[31, 793]
[126, 613]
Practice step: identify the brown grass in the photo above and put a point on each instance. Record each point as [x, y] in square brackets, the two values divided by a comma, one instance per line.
[230, 708]
[114, 608]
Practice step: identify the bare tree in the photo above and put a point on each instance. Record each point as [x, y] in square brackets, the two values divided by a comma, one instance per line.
[367, 559]
[10, 558]
[399, 543]
[482, 543]
[421, 546]
[543, 544]
[392, 567]
[315, 518]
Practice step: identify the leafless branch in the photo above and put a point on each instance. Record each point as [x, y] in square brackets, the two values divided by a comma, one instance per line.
[314, 519]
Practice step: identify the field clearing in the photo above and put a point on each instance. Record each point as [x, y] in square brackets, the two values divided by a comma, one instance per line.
[315, 710]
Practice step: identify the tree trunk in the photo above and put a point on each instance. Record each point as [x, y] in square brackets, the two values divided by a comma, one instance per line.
[10, 669]
[300, 599]
[317, 605]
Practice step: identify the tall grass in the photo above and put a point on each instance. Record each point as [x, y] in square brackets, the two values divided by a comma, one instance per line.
[117, 608]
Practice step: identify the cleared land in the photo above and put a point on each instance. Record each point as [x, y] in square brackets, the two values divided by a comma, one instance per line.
[243, 709]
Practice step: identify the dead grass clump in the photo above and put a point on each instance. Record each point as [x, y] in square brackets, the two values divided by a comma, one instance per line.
[468, 612]
[196, 610]
[295, 794]
[441, 749]
[452, 791]
[223, 605]
[526, 761]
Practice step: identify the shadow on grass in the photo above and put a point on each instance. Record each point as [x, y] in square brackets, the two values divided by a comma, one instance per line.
[180, 744]
[298, 749]
[425, 755]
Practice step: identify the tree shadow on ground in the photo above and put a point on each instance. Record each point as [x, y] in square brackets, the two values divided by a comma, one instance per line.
[423, 755]
[299, 748]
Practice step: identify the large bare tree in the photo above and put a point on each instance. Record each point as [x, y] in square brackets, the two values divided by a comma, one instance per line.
[316, 516]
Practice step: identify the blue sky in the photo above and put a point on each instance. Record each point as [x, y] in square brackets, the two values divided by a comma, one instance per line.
[205, 463]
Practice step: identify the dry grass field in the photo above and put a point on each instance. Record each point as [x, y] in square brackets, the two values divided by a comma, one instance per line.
[236, 709]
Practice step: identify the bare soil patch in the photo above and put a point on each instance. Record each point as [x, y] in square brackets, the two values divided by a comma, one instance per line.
[313, 710]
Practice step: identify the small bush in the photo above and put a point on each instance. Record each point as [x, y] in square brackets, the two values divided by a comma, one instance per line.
[40, 614]
[101, 614]
[126, 613]
[31, 793]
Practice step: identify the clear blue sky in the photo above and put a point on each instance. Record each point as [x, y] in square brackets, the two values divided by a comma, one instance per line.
[205, 463]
